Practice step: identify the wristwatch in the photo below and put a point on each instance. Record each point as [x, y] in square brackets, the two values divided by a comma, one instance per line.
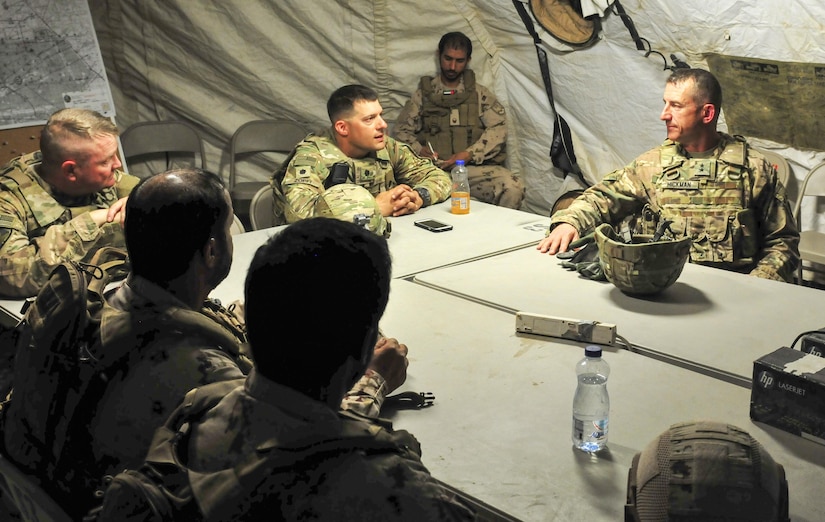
[425, 196]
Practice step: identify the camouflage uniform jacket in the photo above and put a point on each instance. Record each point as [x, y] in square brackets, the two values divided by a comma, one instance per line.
[729, 202]
[39, 229]
[299, 183]
[350, 485]
[489, 147]
[139, 399]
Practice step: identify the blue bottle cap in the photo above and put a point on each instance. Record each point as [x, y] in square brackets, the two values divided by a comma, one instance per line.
[593, 351]
[460, 163]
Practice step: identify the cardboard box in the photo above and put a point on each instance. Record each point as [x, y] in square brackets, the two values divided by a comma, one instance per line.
[814, 344]
[788, 391]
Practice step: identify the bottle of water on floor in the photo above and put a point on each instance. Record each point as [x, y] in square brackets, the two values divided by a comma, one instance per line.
[591, 404]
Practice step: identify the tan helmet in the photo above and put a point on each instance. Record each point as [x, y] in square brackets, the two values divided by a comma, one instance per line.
[705, 471]
[643, 266]
[353, 203]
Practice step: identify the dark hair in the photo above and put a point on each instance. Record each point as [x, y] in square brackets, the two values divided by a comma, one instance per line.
[706, 86]
[312, 294]
[170, 217]
[455, 40]
[343, 100]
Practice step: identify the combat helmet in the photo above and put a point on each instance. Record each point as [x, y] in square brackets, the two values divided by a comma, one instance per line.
[353, 203]
[706, 471]
[643, 266]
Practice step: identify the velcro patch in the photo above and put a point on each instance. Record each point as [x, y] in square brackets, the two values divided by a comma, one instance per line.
[682, 184]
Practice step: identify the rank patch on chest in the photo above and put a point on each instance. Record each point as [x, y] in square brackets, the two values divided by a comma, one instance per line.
[682, 184]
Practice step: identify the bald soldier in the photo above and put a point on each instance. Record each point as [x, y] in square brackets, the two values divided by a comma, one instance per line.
[461, 120]
[61, 202]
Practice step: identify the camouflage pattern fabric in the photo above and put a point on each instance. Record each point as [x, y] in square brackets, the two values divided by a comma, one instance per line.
[706, 470]
[489, 181]
[642, 267]
[354, 485]
[730, 204]
[299, 183]
[40, 229]
[353, 204]
[139, 399]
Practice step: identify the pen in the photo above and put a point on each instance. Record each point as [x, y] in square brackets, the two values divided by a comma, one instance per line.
[430, 145]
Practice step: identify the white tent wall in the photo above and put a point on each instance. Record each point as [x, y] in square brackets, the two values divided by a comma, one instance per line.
[220, 63]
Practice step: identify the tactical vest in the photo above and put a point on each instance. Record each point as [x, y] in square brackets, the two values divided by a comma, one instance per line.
[450, 122]
[373, 172]
[708, 200]
[43, 209]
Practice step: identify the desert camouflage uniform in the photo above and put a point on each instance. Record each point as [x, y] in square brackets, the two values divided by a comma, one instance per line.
[299, 183]
[729, 202]
[465, 122]
[39, 229]
[351, 485]
[140, 398]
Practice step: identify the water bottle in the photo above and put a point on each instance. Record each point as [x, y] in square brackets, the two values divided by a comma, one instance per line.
[460, 196]
[591, 404]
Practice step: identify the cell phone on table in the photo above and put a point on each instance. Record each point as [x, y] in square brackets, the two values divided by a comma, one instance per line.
[433, 225]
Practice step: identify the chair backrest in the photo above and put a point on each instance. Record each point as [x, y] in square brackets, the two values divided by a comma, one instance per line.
[237, 226]
[812, 185]
[262, 136]
[172, 140]
[783, 168]
[33, 503]
[261, 209]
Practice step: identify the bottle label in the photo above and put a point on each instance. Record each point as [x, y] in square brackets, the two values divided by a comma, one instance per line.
[590, 434]
[460, 203]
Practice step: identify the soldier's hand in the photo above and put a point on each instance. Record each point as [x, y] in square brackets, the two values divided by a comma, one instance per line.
[390, 361]
[559, 239]
[117, 212]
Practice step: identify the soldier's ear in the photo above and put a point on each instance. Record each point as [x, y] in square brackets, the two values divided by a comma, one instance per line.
[341, 127]
[708, 112]
[69, 168]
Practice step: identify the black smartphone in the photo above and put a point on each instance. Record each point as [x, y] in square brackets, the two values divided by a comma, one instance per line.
[433, 225]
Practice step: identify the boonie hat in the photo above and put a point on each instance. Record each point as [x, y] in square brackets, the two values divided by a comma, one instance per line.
[353, 203]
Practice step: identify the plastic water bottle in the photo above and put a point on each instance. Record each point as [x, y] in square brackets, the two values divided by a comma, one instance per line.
[460, 197]
[591, 404]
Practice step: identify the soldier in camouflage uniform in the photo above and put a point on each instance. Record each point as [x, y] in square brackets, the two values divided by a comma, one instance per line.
[62, 202]
[715, 188]
[462, 120]
[401, 181]
[292, 396]
[170, 359]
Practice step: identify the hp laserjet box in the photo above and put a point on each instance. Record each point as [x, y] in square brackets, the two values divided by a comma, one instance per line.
[788, 392]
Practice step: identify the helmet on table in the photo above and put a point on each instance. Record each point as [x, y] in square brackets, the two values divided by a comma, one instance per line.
[353, 203]
[643, 266]
[705, 471]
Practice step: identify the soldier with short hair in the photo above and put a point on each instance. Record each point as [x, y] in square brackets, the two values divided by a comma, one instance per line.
[356, 150]
[289, 402]
[713, 187]
[62, 202]
[461, 120]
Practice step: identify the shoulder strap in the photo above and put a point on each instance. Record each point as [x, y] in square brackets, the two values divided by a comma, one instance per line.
[561, 150]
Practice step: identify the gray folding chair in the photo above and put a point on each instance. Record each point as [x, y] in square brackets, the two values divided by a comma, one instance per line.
[783, 168]
[150, 147]
[261, 209]
[250, 140]
[811, 242]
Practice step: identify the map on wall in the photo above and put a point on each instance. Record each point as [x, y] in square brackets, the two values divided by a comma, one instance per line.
[49, 59]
